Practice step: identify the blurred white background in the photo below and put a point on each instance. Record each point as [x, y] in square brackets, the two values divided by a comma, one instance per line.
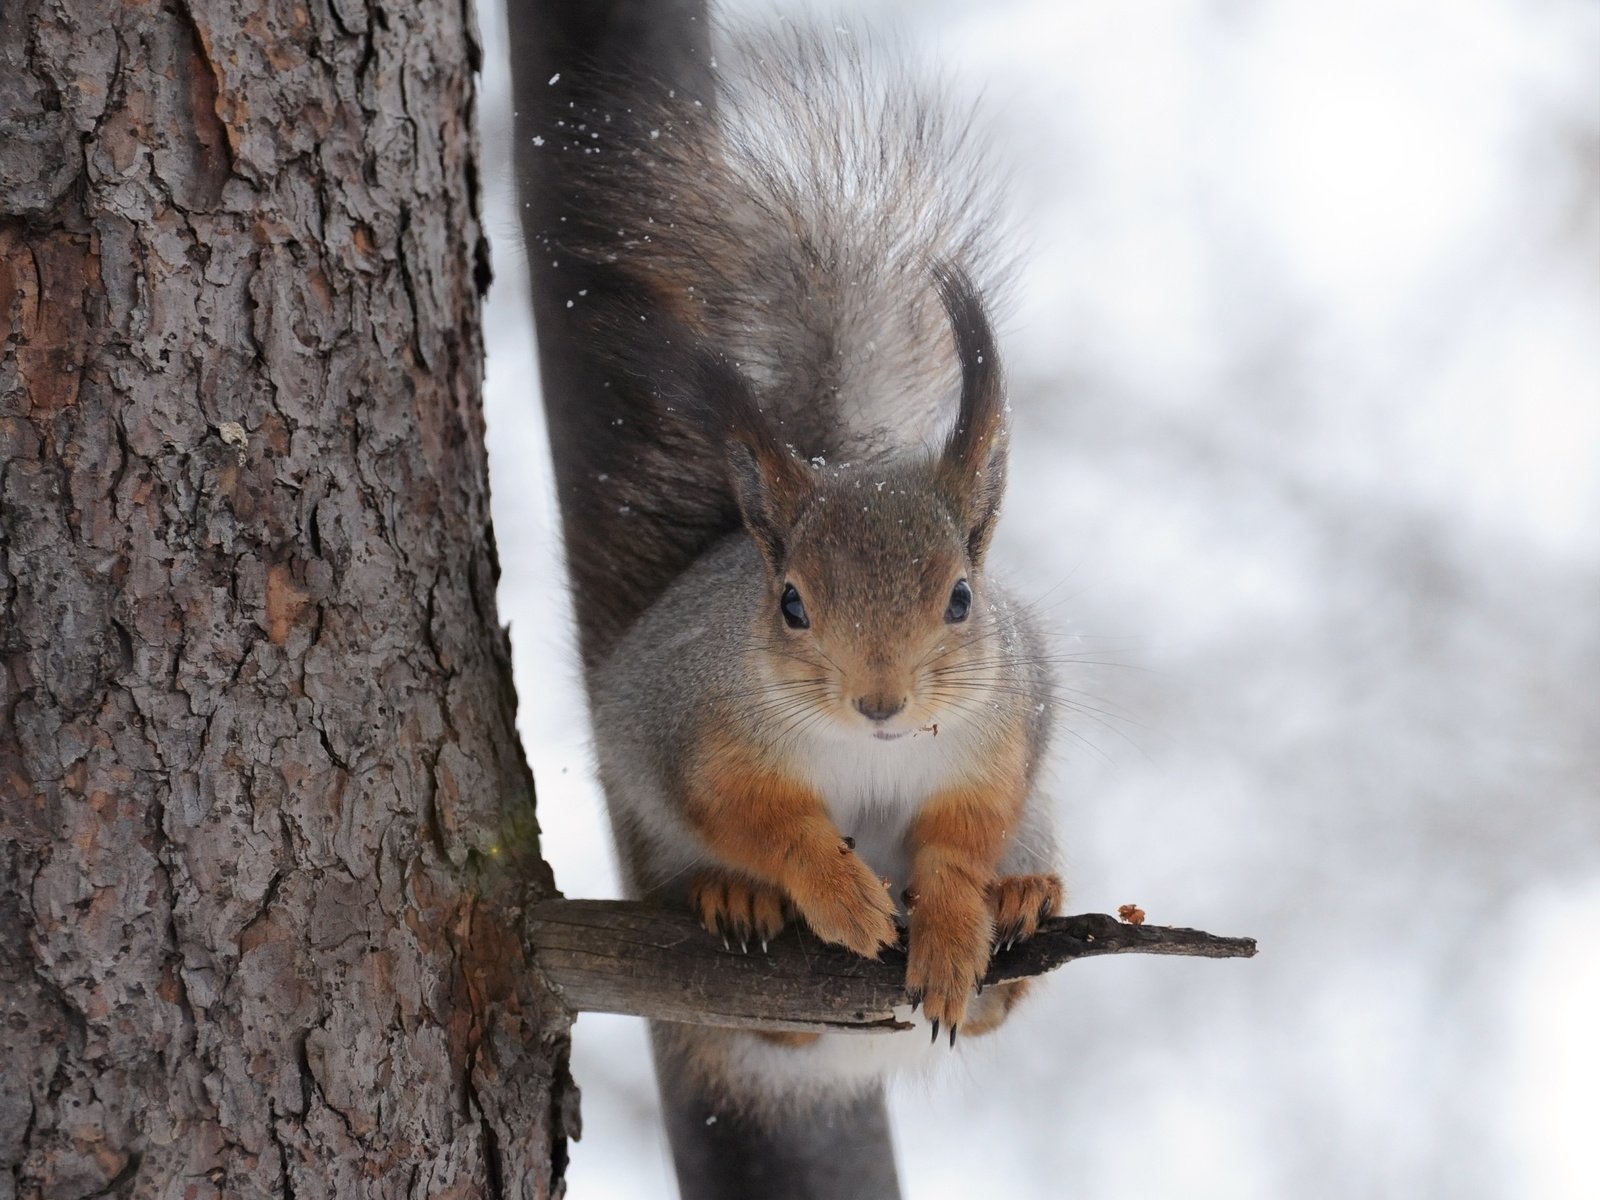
[1305, 362]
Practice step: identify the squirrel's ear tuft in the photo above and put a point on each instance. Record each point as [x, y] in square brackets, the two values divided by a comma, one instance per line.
[768, 497]
[972, 465]
[770, 484]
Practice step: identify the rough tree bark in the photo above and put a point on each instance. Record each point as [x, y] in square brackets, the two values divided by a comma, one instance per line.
[259, 781]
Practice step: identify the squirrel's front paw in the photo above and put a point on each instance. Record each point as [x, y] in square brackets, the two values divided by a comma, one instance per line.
[845, 903]
[738, 907]
[949, 955]
[1019, 902]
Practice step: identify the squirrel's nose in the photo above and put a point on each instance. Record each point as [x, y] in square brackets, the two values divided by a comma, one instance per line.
[879, 707]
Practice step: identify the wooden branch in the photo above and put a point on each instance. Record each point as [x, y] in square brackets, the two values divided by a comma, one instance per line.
[619, 957]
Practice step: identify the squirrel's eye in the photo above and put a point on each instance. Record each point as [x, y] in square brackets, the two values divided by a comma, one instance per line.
[794, 609]
[960, 603]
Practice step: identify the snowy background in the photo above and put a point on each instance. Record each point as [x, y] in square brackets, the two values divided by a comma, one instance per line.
[1305, 361]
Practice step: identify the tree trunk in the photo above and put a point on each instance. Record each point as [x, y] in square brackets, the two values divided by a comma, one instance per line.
[266, 821]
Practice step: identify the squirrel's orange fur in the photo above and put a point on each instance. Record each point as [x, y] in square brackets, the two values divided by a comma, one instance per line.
[765, 823]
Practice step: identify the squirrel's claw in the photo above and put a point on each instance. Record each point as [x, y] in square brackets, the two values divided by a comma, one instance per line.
[935, 1036]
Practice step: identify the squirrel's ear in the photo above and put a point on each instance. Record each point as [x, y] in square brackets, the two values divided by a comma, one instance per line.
[771, 489]
[972, 466]
[769, 483]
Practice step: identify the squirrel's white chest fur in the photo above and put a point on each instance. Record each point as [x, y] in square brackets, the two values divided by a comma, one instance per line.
[875, 788]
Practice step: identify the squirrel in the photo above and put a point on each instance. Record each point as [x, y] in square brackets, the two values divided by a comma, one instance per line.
[812, 700]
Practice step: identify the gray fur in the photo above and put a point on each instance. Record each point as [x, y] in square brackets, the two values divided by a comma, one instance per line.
[793, 223]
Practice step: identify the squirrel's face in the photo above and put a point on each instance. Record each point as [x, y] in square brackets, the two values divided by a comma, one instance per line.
[874, 615]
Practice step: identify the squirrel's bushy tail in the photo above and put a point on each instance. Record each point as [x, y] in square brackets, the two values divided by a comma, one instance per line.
[790, 219]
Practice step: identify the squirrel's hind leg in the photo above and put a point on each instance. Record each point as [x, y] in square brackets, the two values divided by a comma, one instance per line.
[1019, 903]
[737, 908]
